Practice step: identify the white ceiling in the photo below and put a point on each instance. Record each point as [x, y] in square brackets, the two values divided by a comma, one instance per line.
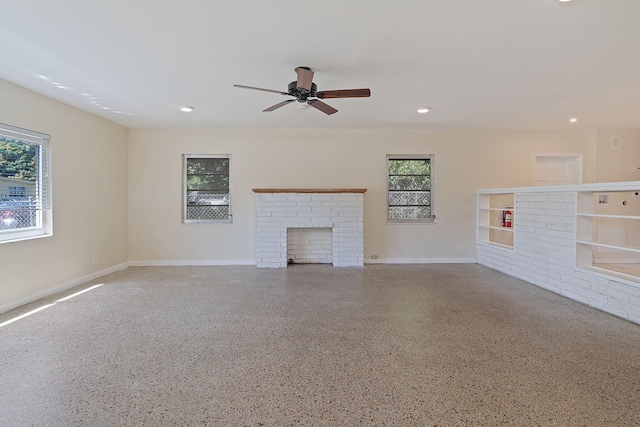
[480, 64]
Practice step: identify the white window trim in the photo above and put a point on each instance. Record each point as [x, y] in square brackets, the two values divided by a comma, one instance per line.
[431, 158]
[184, 190]
[45, 216]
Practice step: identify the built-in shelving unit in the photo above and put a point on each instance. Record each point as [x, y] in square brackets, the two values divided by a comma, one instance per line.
[491, 227]
[608, 232]
[581, 241]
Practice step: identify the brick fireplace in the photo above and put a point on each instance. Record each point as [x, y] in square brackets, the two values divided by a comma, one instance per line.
[338, 210]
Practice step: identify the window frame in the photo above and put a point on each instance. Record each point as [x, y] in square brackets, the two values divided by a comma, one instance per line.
[185, 158]
[44, 196]
[431, 158]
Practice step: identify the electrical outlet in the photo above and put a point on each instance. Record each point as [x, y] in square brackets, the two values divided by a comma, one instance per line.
[250, 248]
[94, 260]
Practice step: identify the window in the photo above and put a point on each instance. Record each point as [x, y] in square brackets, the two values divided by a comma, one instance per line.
[25, 184]
[409, 197]
[206, 188]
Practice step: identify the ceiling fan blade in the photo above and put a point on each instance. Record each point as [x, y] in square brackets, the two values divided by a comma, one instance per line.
[259, 88]
[305, 78]
[278, 105]
[319, 105]
[344, 93]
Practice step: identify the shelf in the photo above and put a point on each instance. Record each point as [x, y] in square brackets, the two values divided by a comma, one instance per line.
[489, 222]
[592, 215]
[494, 227]
[498, 245]
[606, 245]
[608, 233]
[630, 270]
[629, 273]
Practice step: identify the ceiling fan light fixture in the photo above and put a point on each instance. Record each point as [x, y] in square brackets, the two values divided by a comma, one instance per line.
[423, 109]
[303, 105]
[187, 108]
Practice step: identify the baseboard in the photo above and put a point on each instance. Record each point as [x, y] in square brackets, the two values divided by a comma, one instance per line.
[192, 262]
[61, 288]
[421, 261]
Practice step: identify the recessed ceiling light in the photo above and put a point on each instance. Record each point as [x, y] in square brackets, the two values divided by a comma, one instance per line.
[573, 119]
[423, 110]
[187, 108]
[562, 1]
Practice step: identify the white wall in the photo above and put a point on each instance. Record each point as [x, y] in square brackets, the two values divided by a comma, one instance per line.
[464, 162]
[618, 163]
[89, 173]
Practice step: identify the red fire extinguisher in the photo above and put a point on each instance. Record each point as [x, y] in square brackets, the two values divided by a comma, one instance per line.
[507, 216]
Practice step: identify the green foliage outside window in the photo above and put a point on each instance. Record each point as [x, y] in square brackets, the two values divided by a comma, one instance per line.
[208, 189]
[17, 160]
[409, 189]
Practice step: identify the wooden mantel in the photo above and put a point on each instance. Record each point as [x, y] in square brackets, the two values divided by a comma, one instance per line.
[309, 190]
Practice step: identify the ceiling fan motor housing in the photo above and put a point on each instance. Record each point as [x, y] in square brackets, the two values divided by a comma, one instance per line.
[301, 95]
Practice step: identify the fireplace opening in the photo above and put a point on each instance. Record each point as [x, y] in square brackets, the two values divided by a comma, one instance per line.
[313, 245]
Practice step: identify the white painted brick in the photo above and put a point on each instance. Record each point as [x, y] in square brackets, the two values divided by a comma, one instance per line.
[322, 208]
[349, 228]
[632, 291]
[609, 309]
[312, 204]
[298, 197]
[268, 234]
[320, 198]
[274, 209]
[299, 208]
[576, 296]
[274, 198]
[348, 197]
[347, 214]
[594, 295]
[548, 286]
[340, 209]
[593, 279]
[634, 316]
[616, 295]
[270, 219]
[350, 203]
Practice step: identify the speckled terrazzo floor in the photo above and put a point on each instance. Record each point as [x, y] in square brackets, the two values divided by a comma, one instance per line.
[410, 345]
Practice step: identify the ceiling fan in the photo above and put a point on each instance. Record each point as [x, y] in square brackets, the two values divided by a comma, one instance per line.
[306, 92]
